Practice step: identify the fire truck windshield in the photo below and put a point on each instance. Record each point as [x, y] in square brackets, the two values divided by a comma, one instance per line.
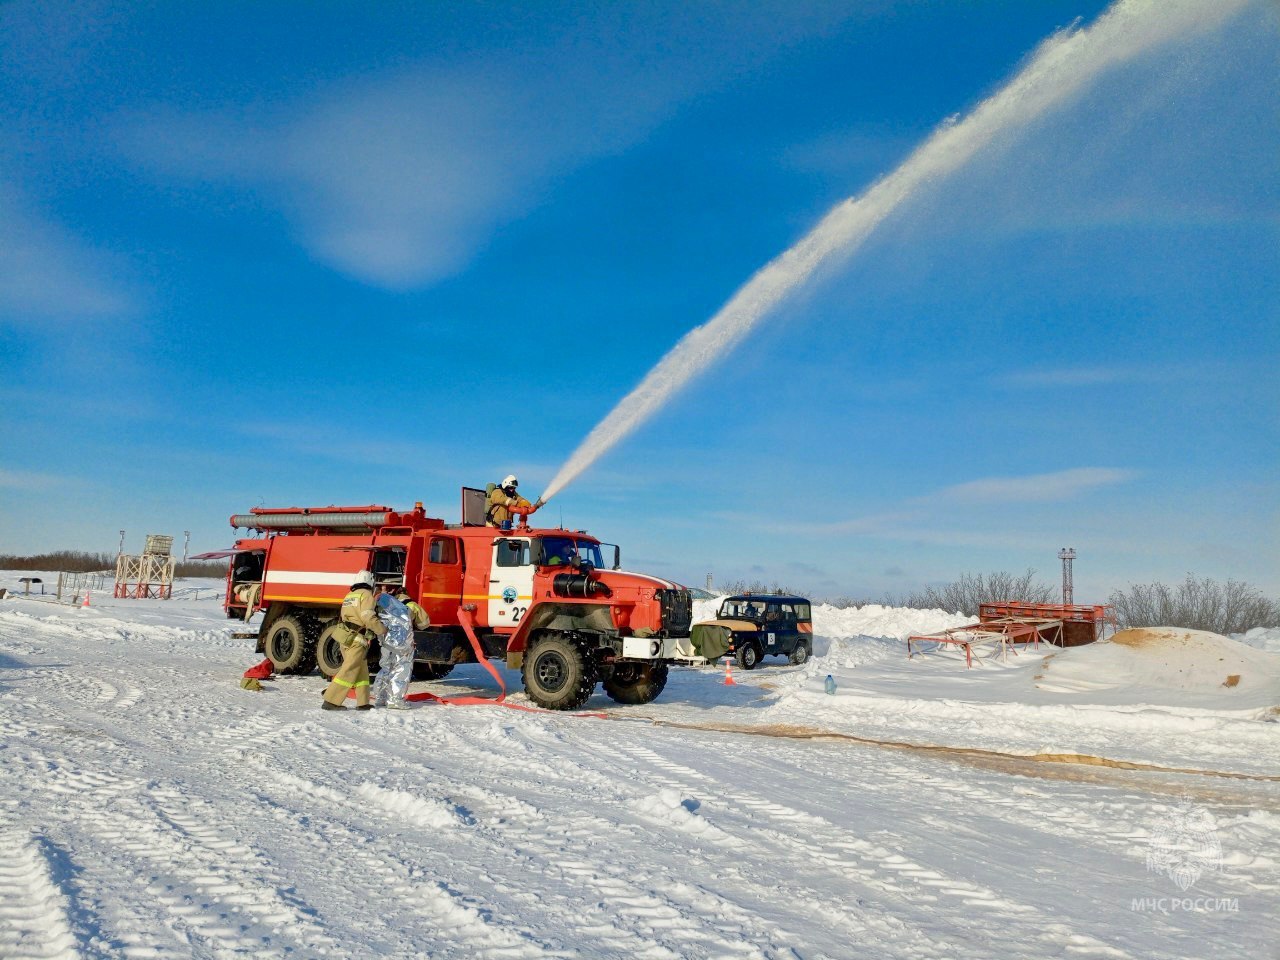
[566, 551]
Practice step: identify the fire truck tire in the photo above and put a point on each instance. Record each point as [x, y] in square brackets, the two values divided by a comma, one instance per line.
[800, 654]
[431, 671]
[633, 683]
[291, 645]
[749, 656]
[328, 653]
[557, 674]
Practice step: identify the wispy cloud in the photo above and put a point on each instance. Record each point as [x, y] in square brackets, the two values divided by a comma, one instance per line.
[28, 480]
[47, 274]
[400, 178]
[1034, 488]
[921, 518]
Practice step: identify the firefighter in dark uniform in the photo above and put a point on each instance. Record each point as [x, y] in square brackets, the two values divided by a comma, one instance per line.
[359, 626]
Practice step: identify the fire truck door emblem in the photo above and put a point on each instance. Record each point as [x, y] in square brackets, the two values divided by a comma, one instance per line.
[509, 595]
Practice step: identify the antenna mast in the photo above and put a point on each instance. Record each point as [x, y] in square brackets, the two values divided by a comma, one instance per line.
[1067, 554]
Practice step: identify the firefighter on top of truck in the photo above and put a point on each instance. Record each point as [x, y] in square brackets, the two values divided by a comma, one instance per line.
[359, 625]
[501, 499]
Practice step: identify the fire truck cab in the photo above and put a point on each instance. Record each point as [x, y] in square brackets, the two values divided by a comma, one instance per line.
[551, 602]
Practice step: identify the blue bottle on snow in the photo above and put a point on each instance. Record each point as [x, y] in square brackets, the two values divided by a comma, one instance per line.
[830, 684]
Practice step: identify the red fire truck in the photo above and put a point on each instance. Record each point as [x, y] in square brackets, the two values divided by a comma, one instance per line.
[553, 603]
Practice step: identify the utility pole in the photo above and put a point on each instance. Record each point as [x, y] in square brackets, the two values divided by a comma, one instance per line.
[186, 541]
[121, 550]
[1066, 555]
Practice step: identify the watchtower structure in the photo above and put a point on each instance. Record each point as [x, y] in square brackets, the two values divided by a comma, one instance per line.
[149, 574]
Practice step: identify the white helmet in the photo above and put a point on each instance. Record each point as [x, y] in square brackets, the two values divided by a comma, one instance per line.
[365, 577]
[510, 481]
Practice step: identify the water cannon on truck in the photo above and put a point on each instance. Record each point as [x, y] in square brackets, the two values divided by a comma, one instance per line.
[551, 602]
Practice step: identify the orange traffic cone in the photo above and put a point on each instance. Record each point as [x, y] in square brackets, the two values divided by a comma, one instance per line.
[86, 599]
[728, 673]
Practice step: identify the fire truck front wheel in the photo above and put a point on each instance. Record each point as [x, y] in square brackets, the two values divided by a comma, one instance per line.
[557, 673]
[636, 682]
[291, 645]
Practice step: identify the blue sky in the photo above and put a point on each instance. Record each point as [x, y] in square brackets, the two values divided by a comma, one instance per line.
[312, 253]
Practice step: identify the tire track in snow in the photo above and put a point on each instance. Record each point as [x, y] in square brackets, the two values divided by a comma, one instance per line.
[33, 910]
[189, 877]
[640, 899]
[908, 939]
[84, 691]
[622, 905]
[629, 921]
[446, 915]
[886, 871]
[1109, 830]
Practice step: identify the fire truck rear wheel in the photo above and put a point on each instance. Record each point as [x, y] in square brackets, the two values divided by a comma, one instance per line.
[431, 671]
[636, 682]
[291, 645]
[557, 673]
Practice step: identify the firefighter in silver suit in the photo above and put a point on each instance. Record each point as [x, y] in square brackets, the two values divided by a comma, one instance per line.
[396, 667]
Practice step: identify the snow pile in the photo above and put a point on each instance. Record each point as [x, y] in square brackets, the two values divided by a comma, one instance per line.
[846, 653]
[870, 622]
[876, 620]
[1169, 665]
[679, 812]
[1263, 638]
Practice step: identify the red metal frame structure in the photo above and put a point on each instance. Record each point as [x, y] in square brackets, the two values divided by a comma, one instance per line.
[1010, 623]
[1080, 624]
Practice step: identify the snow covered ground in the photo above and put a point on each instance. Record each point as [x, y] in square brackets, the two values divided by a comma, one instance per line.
[152, 808]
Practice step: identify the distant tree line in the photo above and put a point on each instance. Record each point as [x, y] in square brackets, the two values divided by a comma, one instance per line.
[756, 586]
[81, 561]
[1195, 604]
[972, 589]
[963, 596]
[67, 561]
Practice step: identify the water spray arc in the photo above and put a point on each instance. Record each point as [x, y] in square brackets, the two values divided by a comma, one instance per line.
[1062, 67]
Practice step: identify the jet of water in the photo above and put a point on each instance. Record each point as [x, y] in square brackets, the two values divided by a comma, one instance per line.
[1061, 68]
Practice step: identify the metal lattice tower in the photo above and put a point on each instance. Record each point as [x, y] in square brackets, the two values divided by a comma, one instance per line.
[149, 575]
[1067, 554]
